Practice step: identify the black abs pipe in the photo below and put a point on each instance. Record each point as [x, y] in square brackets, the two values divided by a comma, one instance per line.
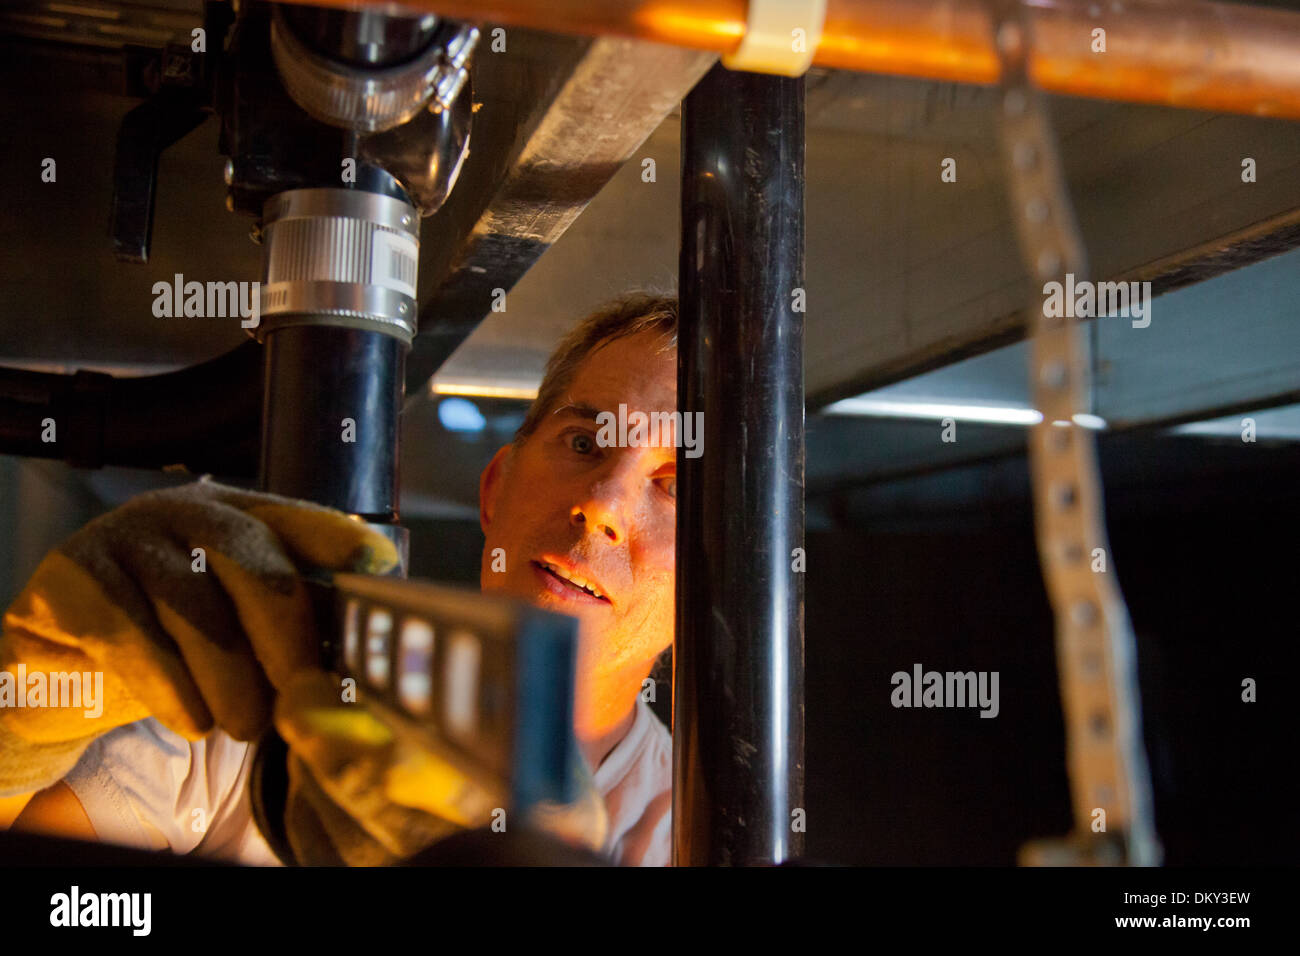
[203, 417]
[738, 657]
[330, 425]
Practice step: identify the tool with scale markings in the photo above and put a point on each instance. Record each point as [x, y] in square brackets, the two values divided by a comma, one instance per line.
[486, 682]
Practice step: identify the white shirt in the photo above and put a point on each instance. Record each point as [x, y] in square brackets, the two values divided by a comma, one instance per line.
[144, 786]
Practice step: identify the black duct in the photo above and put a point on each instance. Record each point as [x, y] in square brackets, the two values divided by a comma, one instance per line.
[205, 417]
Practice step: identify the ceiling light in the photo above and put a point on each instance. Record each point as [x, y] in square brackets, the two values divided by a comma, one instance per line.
[476, 390]
[986, 414]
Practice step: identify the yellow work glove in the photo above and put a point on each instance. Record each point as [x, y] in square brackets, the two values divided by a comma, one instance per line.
[366, 791]
[188, 604]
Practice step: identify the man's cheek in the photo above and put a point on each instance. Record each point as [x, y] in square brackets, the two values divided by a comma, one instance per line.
[504, 565]
[657, 595]
[662, 573]
[656, 552]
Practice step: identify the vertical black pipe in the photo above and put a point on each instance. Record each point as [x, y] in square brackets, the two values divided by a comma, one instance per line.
[318, 379]
[738, 659]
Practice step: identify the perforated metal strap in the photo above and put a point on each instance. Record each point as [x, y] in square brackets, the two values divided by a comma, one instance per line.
[781, 37]
[1094, 638]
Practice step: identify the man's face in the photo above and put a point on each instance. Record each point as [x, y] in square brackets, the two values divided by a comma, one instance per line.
[560, 506]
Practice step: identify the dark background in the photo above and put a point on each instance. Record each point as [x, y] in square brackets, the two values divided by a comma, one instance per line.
[1206, 561]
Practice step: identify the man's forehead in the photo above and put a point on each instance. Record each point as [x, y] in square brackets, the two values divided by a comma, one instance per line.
[638, 371]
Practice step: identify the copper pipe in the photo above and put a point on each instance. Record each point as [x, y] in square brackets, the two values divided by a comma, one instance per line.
[1212, 56]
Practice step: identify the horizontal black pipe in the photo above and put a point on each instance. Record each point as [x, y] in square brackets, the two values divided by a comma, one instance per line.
[204, 417]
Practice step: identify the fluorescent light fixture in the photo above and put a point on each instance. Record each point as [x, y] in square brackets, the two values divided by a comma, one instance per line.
[1095, 422]
[987, 414]
[476, 390]
[892, 408]
[1270, 423]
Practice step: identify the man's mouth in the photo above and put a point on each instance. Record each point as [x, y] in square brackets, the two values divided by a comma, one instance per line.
[568, 583]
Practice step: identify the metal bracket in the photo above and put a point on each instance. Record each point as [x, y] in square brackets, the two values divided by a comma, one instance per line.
[145, 132]
[781, 37]
[1095, 646]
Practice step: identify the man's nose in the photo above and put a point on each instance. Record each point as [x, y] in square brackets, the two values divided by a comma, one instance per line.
[601, 509]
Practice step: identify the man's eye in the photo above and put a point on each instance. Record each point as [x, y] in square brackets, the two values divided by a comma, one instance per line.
[669, 485]
[581, 442]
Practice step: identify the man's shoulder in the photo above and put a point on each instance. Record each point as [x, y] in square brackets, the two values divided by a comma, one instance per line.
[660, 746]
[144, 785]
[147, 753]
[643, 757]
[654, 764]
[638, 793]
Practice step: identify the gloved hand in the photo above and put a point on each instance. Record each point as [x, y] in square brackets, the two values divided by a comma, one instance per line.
[193, 640]
[364, 791]
[197, 642]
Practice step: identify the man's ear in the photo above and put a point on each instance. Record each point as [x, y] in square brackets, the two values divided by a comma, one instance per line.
[489, 485]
